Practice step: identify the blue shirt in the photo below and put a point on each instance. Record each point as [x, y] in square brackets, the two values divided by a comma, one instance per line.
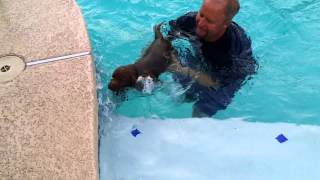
[228, 59]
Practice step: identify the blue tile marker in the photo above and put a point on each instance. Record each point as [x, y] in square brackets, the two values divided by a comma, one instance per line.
[135, 132]
[281, 138]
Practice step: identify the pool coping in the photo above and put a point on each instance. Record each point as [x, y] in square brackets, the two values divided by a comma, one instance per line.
[49, 111]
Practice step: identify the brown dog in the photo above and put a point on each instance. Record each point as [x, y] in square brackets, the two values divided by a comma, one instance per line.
[154, 61]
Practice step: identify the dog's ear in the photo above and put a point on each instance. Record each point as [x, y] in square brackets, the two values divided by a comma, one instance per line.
[122, 78]
[131, 75]
[119, 72]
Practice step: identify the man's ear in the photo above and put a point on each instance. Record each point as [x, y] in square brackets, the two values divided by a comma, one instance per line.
[227, 23]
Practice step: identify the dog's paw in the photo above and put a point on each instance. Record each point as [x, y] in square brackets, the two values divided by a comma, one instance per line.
[145, 84]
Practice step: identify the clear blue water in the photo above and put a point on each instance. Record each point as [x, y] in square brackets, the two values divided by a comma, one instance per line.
[285, 36]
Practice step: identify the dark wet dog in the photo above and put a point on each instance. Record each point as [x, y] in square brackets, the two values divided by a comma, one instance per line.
[154, 61]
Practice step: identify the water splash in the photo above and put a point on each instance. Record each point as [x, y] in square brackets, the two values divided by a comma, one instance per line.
[147, 84]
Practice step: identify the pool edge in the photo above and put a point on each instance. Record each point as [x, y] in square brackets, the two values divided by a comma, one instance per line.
[48, 112]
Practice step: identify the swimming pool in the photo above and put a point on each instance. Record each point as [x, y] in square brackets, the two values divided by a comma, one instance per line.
[284, 35]
[286, 89]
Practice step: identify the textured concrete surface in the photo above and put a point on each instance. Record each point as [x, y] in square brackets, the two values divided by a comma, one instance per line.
[39, 29]
[48, 113]
[48, 123]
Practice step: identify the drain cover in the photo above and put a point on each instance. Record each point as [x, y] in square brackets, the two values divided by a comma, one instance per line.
[10, 67]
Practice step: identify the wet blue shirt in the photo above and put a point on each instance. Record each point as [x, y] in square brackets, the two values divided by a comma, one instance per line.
[229, 59]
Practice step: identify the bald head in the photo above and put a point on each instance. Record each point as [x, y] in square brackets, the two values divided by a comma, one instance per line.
[231, 7]
[214, 17]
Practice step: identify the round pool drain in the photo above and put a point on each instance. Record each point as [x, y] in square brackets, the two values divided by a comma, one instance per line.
[10, 67]
[5, 68]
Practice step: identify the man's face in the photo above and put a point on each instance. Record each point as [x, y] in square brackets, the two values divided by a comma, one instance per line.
[211, 20]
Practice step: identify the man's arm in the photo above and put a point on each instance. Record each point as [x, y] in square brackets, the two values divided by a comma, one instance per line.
[200, 77]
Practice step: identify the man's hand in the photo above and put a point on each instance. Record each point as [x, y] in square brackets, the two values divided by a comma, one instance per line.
[175, 66]
[202, 78]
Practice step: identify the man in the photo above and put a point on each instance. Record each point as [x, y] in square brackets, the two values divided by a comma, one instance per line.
[226, 56]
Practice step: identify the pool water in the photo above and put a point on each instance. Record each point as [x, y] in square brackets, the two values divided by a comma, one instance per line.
[282, 98]
[285, 36]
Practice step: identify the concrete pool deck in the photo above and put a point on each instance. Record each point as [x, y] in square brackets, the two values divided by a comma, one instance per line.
[48, 112]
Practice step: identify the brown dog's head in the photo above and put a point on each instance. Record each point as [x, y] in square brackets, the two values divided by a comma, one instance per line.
[123, 77]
